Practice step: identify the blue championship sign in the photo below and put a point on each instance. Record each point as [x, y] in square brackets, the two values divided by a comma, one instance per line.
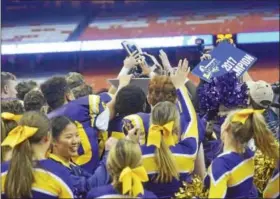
[225, 58]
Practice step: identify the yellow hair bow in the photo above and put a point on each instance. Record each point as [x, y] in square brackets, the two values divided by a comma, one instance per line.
[18, 135]
[222, 37]
[132, 180]
[242, 116]
[156, 132]
[11, 116]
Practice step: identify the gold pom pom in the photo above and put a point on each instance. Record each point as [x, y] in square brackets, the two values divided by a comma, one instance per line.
[264, 167]
[193, 189]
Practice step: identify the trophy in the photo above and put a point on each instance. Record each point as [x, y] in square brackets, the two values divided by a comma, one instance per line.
[148, 60]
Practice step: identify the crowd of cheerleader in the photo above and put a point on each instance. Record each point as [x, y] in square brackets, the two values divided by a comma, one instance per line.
[61, 139]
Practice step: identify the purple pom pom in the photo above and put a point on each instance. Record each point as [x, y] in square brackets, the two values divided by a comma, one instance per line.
[223, 90]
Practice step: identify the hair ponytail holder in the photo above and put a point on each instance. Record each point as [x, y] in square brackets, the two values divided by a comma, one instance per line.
[132, 180]
[157, 132]
[11, 116]
[242, 116]
[18, 135]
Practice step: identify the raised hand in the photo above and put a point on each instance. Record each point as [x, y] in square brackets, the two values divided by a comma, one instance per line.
[127, 126]
[145, 69]
[134, 134]
[131, 61]
[165, 61]
[157, 64]
[178, 79]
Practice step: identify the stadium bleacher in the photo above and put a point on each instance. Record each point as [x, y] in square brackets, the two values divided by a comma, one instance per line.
[37, 33]
[155, 26]
[152, 26]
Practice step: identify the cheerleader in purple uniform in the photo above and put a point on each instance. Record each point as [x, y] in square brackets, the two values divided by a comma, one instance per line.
[124, 164]
[231, 173]
[29, 174]
[90, 114]
[216, 98]
[11, 113]
[129, 100]
[169, 155]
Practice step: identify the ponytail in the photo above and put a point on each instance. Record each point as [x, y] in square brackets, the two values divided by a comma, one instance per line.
[164, 122]
[32, 128]
[7, 124]
[19, 180]
[166, 165]
[5, 128]
[263, 137]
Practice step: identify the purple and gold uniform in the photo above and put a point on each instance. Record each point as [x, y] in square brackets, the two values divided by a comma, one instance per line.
[90, 115]
[231, 176]
[105, 97]
[142, 121]
[184, 152]
[51, 180]
[115, 128]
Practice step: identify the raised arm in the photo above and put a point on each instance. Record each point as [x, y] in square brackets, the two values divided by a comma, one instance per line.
[128, 63]
[186, 104]
[189, 136]
[102, 120]
[165, 61]
[191, 89]
[188, 113]
[124, 80]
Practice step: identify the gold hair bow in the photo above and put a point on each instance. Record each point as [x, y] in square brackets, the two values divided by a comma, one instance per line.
[242, 116]
[132, 180]
[222, 37]
[18, 135]
[156, 133]
[11, 116]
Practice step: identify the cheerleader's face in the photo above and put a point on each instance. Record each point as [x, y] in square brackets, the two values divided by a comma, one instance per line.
[68, 142]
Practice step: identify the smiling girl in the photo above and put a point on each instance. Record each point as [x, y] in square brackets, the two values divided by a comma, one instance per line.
[65, 145]
[29, 174]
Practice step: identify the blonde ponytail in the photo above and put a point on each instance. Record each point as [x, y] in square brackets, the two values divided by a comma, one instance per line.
[19, 179]
[249, 123]
[166, 164]
[162, 114]
[263, 137]
[20, 176]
